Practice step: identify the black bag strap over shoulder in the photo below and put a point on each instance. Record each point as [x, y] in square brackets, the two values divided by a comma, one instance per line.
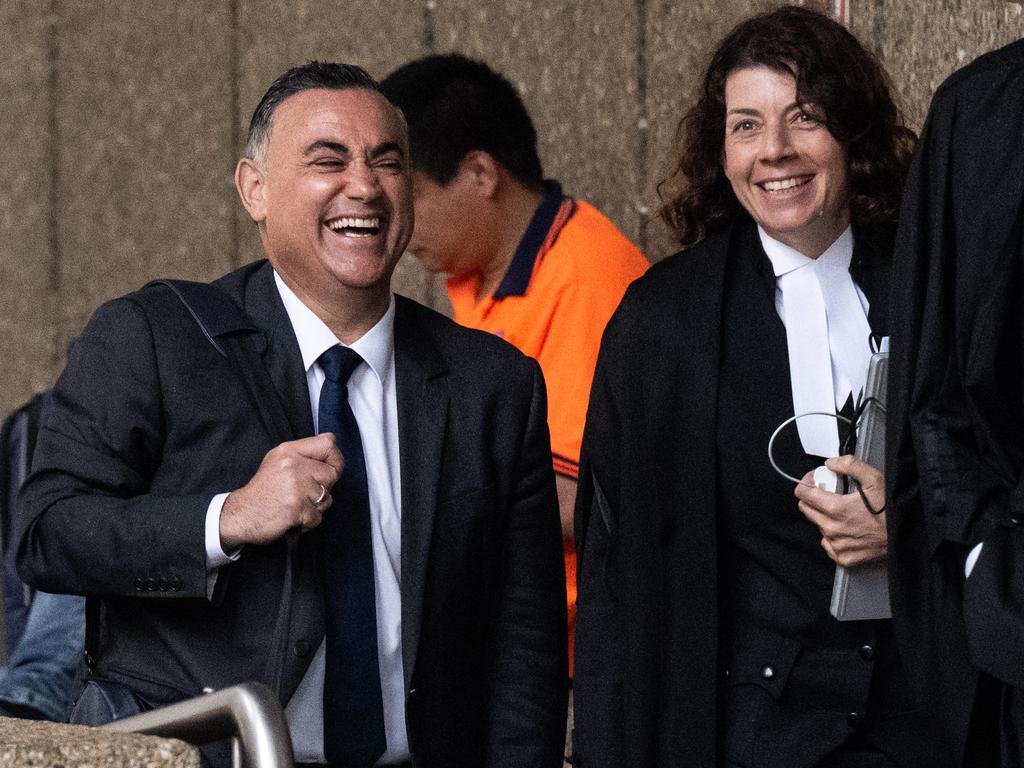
[230, 331]
[233, 334]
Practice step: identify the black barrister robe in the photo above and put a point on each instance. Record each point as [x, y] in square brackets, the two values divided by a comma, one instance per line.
[648, 670]
[956, 412]
[646, 658]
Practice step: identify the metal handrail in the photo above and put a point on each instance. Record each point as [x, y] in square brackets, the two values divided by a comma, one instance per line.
[248, 711]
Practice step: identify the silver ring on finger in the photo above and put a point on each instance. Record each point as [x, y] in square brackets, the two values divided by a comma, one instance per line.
[322, 496]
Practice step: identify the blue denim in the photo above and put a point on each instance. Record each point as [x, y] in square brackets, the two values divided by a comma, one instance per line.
[41, 672]
[16, 598]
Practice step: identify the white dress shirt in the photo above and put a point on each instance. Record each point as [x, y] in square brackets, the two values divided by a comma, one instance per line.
[371, 394]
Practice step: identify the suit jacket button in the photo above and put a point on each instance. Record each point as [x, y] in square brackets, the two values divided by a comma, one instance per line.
[867, 653]
[162, 585]
[855, 719]
[1015, 520]
[768, 672]
[140, 584]
[151, 585]
[175, 584]
[302, 648]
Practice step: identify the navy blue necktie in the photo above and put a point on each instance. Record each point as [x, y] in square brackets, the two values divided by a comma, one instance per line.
[353, 704]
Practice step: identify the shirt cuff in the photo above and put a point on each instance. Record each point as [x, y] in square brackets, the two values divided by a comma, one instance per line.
[215, 555]
[972, 559]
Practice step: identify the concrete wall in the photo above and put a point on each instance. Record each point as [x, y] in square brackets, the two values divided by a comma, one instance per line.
[921, 43]
[123, 121]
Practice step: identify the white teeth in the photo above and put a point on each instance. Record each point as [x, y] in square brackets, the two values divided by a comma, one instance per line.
[351, 222]
[775, 186]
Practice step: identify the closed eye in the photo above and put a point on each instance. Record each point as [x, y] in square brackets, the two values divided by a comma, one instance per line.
[389, 157]
[390, 164]
[329, 163]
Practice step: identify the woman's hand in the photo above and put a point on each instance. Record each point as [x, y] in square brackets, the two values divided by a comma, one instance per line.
[850, 533]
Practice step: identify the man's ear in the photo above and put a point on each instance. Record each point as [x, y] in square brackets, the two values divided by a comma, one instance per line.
[251, 188]
[482, 171]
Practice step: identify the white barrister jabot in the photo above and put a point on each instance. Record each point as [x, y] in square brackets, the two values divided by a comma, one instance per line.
[827, 333]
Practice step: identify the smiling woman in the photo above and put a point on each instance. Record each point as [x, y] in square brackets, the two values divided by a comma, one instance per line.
[704, 585]
[785, 167]
[834, 80]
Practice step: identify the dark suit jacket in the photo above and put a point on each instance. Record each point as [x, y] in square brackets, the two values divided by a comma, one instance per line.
[149, 421]
[956, 416]
[648, 676]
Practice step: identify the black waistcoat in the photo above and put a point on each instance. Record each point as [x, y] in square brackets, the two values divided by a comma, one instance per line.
[800, 684]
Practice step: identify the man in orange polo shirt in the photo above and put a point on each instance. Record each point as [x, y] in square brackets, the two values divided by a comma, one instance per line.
[525, 262]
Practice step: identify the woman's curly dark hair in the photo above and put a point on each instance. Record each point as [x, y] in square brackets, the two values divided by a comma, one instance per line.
[833, 72]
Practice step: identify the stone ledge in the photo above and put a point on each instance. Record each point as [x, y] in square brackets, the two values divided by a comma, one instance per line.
[29, 744]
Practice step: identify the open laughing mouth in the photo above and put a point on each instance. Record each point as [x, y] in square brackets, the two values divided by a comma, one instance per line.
[781, 185]
[355, 226]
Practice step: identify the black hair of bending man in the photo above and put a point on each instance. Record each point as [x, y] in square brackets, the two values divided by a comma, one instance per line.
[454, 104]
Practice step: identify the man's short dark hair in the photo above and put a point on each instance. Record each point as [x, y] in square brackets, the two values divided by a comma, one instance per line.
[315, 74]
[454, 105]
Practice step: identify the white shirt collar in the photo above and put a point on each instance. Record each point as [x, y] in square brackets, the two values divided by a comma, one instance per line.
[376, 346]
[785, 259]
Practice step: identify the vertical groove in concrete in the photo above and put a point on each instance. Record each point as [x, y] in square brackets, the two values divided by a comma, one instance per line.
[642, 124]
[52, 97]
[234, 124]
[878, 30]
[429, 40]
[59, 340]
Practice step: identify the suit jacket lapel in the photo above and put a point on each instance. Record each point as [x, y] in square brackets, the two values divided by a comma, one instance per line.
[282, 356]
[422, 391]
